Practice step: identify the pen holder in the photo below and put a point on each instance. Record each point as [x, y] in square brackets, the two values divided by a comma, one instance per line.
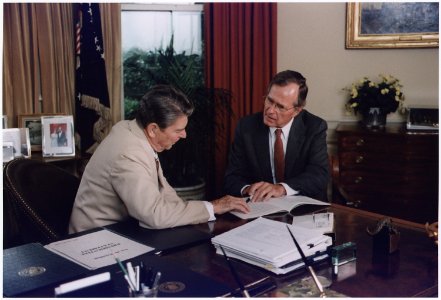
[385, 237]
[144, 293]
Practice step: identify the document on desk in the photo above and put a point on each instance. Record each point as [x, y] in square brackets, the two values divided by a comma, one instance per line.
[267, 244]
[275, 205]
[98, 249]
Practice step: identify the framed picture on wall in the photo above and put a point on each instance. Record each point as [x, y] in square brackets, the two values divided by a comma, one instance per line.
[33, 122]
[58, 136]
[392, 25]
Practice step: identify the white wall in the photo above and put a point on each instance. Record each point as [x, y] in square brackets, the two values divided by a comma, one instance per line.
[311, 40]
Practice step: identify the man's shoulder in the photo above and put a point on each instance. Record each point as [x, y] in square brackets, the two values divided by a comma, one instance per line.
[309, 119]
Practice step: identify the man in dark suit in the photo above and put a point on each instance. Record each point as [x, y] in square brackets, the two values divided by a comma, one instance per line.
[61, 137]
[251, 167]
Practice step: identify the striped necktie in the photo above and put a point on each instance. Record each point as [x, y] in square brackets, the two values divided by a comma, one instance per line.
[279, 157]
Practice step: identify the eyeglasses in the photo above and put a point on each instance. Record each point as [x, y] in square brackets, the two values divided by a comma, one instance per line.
[277, 107]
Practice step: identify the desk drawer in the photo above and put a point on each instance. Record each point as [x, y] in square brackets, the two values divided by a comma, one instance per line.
[417, 207]
[391, 144]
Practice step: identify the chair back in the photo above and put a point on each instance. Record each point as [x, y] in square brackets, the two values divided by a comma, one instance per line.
[38, 200]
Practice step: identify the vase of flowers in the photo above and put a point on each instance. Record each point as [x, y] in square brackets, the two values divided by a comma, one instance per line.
[375, 100]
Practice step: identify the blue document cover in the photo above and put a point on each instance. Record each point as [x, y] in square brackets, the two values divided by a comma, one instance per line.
[31, 266]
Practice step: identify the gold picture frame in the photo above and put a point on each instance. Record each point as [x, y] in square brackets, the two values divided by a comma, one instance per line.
[385, 25]
[33, 122]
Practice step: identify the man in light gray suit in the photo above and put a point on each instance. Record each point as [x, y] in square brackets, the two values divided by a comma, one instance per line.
[124, 178]
[305, 171]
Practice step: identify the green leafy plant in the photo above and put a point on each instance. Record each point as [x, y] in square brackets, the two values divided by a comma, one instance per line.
[191, 160]
[385, 94]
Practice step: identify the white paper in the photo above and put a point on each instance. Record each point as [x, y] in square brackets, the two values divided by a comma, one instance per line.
[269, 241]
[274, 205]
[98, 249]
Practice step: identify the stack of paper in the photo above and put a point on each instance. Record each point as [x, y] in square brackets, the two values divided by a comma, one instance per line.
[268, 244]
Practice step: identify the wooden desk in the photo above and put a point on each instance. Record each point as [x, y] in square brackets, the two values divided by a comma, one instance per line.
[413, 271]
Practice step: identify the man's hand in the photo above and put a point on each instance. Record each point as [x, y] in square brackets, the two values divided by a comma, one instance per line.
[228, 203]
[262, 191]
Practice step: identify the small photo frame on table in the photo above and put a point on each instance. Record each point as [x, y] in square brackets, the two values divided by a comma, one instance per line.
[33, 122]
[58, 136]
[4, 121]
[16, 143]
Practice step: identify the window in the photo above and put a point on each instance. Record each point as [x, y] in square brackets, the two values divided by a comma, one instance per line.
[148, 30]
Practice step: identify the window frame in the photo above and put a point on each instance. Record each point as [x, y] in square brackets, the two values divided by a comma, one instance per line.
[191, 7]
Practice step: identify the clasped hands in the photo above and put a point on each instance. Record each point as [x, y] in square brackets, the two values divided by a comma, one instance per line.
[262, 191]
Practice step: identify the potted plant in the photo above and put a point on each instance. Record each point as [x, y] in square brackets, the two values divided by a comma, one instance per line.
[190, 163]
[374, 100]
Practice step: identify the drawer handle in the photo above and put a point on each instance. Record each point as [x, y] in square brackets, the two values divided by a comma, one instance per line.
[360, 142]
[359, 159]
[358, 179]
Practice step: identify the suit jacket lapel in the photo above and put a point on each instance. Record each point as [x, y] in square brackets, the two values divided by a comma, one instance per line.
[295, 141]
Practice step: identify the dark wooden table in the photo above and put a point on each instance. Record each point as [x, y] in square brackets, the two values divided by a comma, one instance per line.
[410, 272]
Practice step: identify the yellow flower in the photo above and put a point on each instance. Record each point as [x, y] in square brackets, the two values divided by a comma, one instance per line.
[354, 92]
[355, 104]
[384, 91]
[371, 84]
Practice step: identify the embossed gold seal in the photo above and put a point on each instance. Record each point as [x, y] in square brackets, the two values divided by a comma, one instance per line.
[32, 271]
[171, 287]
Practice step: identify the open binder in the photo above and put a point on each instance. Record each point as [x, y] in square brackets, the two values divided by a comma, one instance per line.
[267, 244]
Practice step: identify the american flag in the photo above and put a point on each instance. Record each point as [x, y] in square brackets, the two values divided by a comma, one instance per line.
[92, 105]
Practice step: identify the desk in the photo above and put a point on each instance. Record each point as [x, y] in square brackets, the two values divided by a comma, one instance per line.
[413, 271]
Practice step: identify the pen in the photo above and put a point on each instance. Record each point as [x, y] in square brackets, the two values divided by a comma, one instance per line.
[308, 265]
[156, 281]
[137, 277]
[149, 276]
[131, 274]
[236, 277]
[141, 273]
[126, 275]
[249, 199]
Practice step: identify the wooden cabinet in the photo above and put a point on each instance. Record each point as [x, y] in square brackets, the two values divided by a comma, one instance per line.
[390, 171]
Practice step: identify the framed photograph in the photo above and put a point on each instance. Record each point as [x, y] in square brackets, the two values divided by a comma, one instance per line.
[16, 143]
[33, 122]
[58, 136]
[392, 25]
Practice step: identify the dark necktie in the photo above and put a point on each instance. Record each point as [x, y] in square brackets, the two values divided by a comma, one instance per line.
[279, 157]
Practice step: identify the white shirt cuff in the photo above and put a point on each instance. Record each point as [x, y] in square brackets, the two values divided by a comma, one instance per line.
[210, 210]
[289, 191]
[241, 191]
